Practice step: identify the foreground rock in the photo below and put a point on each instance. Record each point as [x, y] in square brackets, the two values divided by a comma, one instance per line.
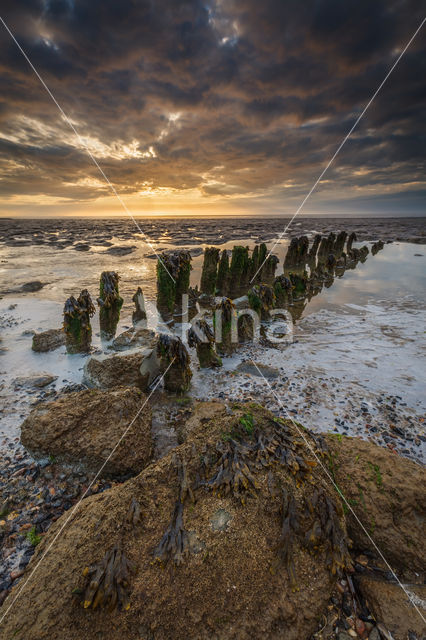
[133, 338]
[131, 368]
[234, 534]
[392, 608]
[37, 381]
[84, 427]
[385, 493]
[48, 340]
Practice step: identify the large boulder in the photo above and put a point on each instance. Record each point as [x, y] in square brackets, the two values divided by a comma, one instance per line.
[131, 368]
[48, 340]
[83, 428]
[234, 534]
[386, 493]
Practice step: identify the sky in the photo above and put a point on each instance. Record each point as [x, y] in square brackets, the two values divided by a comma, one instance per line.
[204, 107]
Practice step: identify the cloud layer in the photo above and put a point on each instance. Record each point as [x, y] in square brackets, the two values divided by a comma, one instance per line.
[233, 104]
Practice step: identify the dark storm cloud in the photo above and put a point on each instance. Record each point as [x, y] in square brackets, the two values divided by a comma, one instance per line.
[231, 97]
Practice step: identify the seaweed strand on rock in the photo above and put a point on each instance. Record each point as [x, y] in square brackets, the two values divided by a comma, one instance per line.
[174, 545]
[108, 581]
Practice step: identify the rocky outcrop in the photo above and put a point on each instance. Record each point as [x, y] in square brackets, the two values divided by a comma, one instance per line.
[239, 528]
[393, 608]
[384, 491]
[48, 340]
[233, 534]
[132, 368]
[84, 427]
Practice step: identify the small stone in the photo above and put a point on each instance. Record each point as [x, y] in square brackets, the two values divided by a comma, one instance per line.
[360, 628]
[16, 573]
[374, 634]
[35, 285]
[220, 520]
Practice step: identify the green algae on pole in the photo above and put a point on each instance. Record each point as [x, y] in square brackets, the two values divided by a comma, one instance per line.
[110, 303]
[239, 271]
[209, 272]
[175, 361]
[269, 268]
[77, 327]
[312, 254]
[223, 274]
[262, 299]
[352, 238]
[225, 323]
[326, 246]
[376, 247]
[201, 336]
[339, 243]
[297, 253]
[283, 289]
[173, 273]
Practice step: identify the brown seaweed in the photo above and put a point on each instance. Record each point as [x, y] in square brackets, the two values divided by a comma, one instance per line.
[108, 585]
[289, 531]
[326, 531]
[174, 544]
[233, 473]
[133, 515]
